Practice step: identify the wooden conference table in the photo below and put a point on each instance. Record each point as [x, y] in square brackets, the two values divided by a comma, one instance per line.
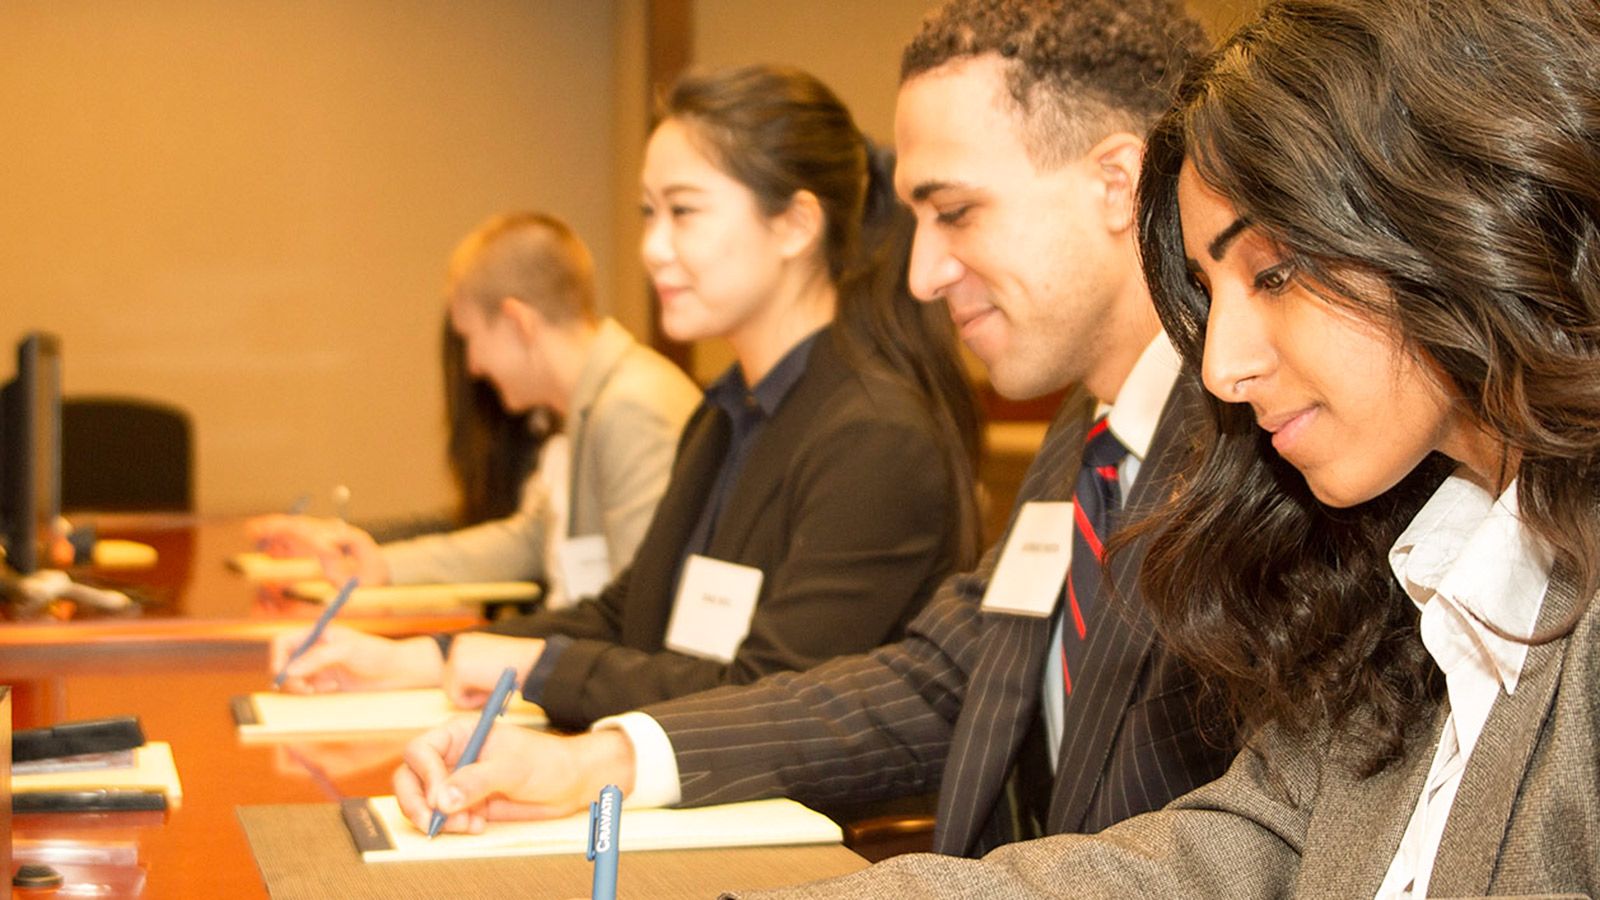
[200, 641]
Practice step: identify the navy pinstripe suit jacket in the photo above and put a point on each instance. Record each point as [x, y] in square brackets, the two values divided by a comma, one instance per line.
[947, 706]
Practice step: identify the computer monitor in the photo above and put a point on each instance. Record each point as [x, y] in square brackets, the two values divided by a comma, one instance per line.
[30, 452]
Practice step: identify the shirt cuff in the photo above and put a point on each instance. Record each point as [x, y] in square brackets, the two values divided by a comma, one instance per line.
[655, 772]
[533, 685]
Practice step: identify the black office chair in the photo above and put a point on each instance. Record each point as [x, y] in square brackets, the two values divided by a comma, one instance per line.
[124, 454]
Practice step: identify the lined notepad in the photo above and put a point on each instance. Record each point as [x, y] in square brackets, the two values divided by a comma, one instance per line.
[270, 716]
[383, 834]
[153, 769]
[419, 597]
[260, 567]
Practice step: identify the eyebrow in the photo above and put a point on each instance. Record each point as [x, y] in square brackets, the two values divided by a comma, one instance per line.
[1219, 244]
[671, 189]
[928, 188]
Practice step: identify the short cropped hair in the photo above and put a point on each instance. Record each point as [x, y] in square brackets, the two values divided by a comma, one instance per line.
[1077, 70]
[533, 257]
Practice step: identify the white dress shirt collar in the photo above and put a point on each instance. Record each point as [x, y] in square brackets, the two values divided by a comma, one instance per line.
[1470, 551]
[1138, 405]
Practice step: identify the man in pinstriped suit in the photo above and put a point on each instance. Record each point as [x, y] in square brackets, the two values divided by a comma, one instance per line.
[1018, 136]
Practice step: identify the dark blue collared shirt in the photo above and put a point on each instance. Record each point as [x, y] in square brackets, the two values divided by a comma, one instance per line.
[747, 410]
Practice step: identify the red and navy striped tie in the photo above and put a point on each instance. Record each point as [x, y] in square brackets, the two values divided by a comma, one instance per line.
[1096, 499]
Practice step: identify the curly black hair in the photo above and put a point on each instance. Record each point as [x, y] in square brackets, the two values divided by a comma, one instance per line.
[1079, 69]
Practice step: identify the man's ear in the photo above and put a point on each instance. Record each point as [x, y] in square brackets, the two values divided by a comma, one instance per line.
[799, 227]
[528, 322]
[1116, 161]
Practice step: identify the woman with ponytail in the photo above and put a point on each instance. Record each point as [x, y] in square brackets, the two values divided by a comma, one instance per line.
[825, 485]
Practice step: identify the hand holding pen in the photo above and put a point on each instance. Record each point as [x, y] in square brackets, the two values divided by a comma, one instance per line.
[521, 774]
[316, 630]
[341, 550]
[495, 706]
[335, 658]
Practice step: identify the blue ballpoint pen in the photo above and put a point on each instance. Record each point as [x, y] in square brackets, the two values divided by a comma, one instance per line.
[495, 706]
[605, 826]
[316, 630]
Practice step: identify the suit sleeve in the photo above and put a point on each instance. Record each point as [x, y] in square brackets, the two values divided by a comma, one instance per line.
[857, 728]
[509, 549]
[871, 524]
[860, 728]
[1240, 836]
[592, 618]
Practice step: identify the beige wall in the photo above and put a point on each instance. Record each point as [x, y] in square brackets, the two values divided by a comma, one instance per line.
[630, 293]
[853, 47]
[244, 208]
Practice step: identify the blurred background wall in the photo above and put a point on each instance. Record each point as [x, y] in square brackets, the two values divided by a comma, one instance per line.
[244, 208]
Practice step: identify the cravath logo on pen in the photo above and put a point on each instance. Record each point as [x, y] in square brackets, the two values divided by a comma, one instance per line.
[602, 838]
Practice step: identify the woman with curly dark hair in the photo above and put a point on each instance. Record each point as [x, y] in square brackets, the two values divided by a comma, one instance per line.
[1373, 227]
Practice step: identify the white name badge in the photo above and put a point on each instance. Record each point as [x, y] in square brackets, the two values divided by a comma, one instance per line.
[1033, 566]
[716, 601]
[585, 565]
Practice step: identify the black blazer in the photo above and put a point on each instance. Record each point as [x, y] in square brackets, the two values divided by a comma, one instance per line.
[845, 503]
[947, 706]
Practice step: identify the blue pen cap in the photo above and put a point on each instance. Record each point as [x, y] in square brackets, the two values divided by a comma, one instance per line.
[605, 825]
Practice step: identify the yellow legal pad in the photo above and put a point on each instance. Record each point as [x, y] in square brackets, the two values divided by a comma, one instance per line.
[383, 834]
[270, 716]
[260, 567]
[419, 597]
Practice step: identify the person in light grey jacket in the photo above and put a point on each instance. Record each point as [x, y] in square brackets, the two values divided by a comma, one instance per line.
[627, 408]
[522, 299]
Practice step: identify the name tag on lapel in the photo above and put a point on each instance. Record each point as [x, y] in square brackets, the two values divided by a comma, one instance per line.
[716, 601]
[1033, 566]
[585, 565]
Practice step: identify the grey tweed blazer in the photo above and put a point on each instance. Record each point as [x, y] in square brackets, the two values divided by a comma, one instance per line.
[947, 707]
[1526, 821]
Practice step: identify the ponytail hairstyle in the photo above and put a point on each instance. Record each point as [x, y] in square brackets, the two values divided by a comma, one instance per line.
[779, 130]
[1448, 150]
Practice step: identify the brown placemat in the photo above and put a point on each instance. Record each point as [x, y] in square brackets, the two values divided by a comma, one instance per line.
[304, 851]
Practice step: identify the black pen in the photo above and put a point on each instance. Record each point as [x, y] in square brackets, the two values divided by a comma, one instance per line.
[87, 801]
